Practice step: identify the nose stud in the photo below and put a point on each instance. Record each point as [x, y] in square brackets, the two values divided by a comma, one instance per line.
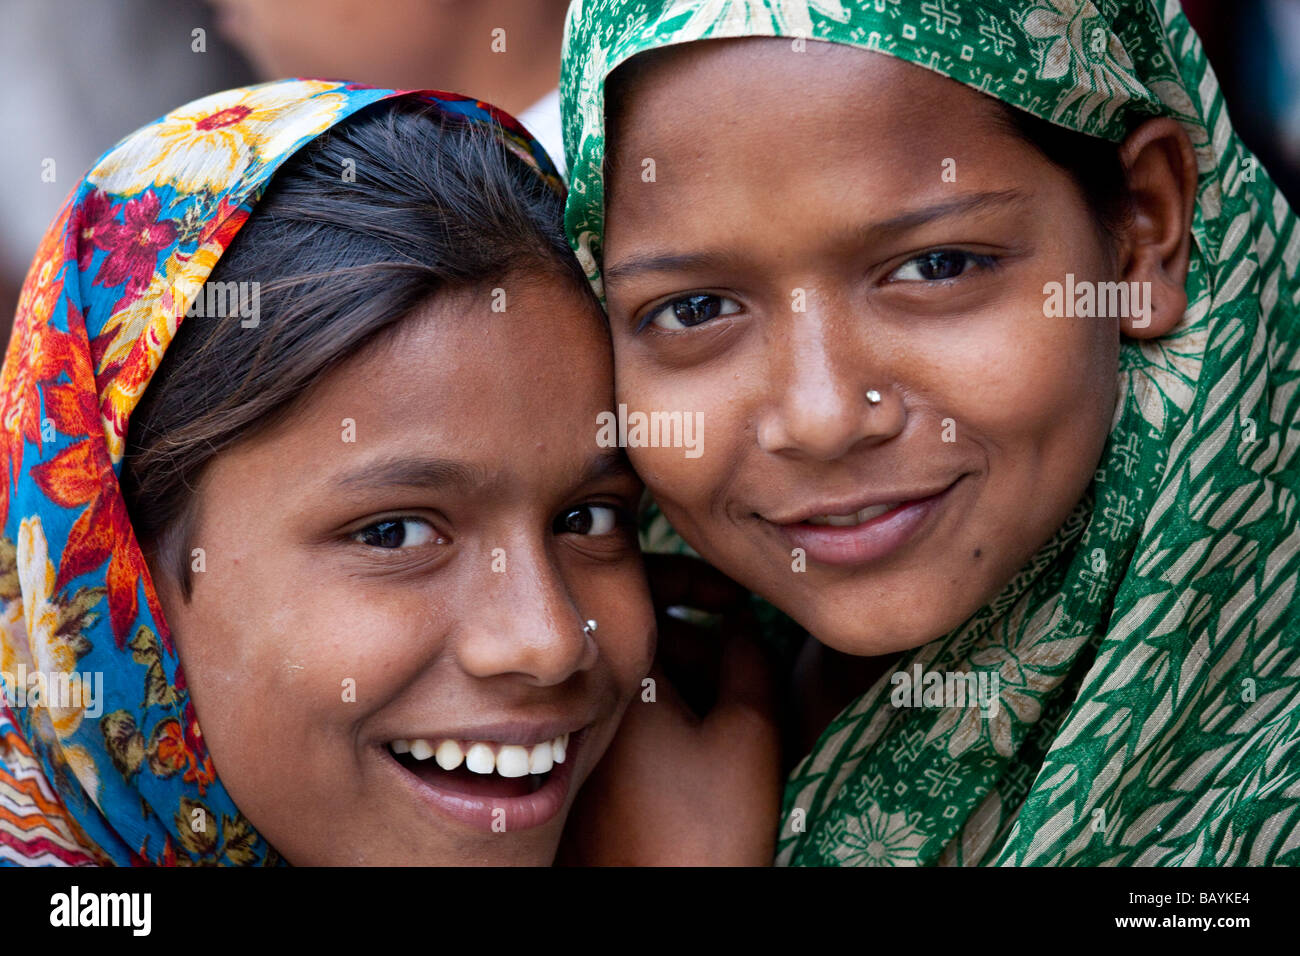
[589, 628]
[873, 397]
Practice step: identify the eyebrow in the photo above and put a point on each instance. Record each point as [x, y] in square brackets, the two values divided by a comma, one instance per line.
[973, 202]
[669, 262]
[449, 473]
[608, 464]
[414, 473]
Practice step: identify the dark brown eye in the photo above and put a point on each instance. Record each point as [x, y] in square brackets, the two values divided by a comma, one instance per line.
[690, 311]
[587, 519]
[697, 309]
[396, 533]
[940, 264]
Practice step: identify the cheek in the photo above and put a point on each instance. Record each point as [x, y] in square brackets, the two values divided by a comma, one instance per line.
[1037, 384]
[625, 634]
[1033, 410]
[278, 682]
[281, 691]
[676, 481]
[1020, 380]
[630, 654]
[693, 471]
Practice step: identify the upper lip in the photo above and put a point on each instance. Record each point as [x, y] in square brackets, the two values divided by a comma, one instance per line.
[848, 506]
[524, 733]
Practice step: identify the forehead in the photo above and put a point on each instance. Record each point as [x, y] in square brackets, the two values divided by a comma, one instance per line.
[801, 68]
[740, 123]
[769, 89]
[485, 373]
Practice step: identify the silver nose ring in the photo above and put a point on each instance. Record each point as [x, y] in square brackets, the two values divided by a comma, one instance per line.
[589, 628]
[873, 397]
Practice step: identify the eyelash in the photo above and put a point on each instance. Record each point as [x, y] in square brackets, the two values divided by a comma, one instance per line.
[649, 317]
[981, 261]
[434, 536]
[619, 518]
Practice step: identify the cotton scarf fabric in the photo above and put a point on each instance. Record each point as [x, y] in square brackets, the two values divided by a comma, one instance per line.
[119, 774]
[1149, 709]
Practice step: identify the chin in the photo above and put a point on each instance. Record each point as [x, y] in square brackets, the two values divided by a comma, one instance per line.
[843, 636]
[865, 629]
[534, 849]
[521, 853]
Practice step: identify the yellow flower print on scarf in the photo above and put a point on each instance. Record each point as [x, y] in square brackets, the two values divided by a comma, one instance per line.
[226, 133]
[43, 633]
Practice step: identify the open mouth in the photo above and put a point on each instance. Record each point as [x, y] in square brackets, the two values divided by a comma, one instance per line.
[482, 768]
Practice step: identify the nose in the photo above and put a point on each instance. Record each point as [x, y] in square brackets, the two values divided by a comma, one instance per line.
[826, 395]
[525, 623]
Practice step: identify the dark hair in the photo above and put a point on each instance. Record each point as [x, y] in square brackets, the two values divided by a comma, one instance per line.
[1092, 163]
[437, 205]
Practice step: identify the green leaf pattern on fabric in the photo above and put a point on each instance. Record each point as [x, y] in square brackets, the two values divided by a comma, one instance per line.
[1148, 654]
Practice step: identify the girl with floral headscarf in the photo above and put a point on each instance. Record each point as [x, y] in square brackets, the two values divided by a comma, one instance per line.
[267, 412]
[992, 322]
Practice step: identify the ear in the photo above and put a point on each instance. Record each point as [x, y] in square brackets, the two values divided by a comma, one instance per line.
[1161, 170]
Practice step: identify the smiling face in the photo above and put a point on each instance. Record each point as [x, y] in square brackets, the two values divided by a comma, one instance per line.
[894, 427]
[406, 565]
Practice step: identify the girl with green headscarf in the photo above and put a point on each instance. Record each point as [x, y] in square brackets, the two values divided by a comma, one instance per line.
[991, 321]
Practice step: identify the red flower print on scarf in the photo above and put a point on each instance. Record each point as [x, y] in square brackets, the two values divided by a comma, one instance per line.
[38, 353]
[226, 222]
[96, 225]
[81, 475]
[133, 244]
[200, 770]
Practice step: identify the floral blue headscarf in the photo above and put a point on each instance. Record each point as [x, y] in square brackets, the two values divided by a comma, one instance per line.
[101, 757]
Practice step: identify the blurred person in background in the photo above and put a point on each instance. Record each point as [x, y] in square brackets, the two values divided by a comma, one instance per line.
[504, 51]
[77, 73]
[80, 71]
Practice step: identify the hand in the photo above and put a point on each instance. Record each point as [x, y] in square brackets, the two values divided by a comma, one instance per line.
[694, 783]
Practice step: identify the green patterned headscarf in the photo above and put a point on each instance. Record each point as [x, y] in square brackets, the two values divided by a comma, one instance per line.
[1148, 657]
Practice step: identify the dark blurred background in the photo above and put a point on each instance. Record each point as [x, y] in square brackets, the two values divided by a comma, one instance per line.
[77, 75]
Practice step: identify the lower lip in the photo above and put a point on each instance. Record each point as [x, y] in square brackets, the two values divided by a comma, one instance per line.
[869, 541]
[521, 813]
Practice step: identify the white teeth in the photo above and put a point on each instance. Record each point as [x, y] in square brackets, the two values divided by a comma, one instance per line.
[858, 517]
[875, 511]
[512, 761]
[421, 749]
[542, 758]
[480, 759]
[484, 757]
[449, 755]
